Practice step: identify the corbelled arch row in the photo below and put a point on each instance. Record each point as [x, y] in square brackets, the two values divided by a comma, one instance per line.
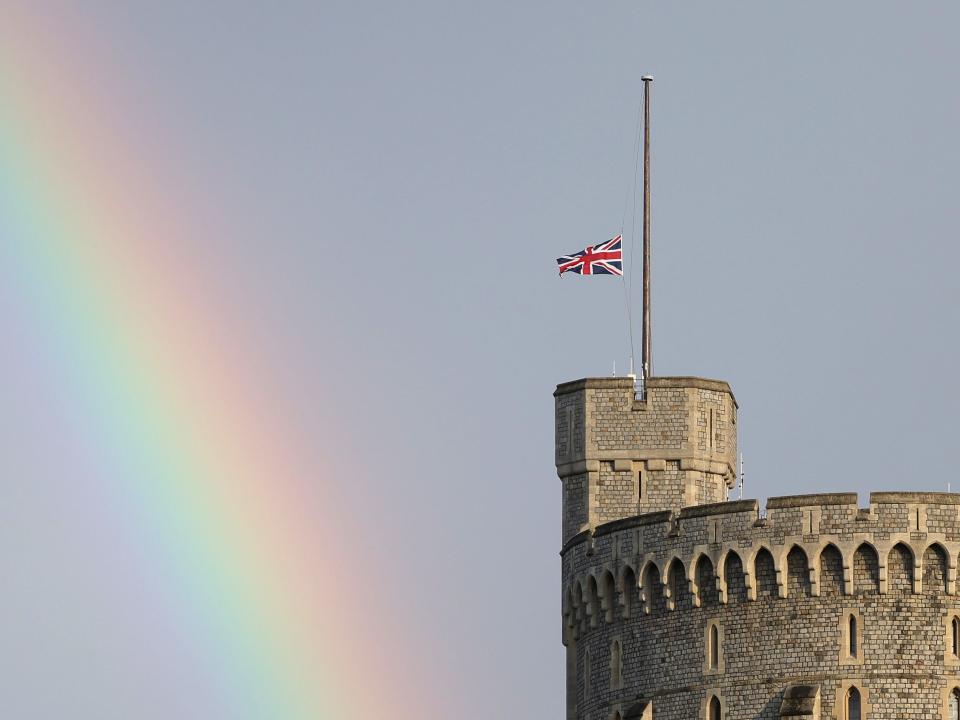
[726, 573]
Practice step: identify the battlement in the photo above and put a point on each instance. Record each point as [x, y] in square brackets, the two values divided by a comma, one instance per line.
[694, 548]
[619, 455]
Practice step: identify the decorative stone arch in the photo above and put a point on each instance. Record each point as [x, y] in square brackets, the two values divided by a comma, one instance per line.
[577, 608]
[607, 590]
[709, 588]
[648, 585]
[692, 582]
[942, 556]
[629, 590]
[805, 581]
[867, 555]
[845, 578]
[896, 552]
[593, 600]
[885, 549]
[761, 552]
[675, 573]
[725, 568]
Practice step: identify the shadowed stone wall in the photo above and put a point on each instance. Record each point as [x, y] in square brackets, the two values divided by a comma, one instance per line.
[782, 592]
[816, 601]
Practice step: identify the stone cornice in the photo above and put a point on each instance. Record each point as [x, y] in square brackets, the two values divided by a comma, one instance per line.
[625, 383]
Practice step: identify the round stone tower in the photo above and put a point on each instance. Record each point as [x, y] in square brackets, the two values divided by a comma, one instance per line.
[678, 604]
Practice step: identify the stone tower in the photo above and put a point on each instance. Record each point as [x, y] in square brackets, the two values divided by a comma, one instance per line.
[620, 456]
[678, 604]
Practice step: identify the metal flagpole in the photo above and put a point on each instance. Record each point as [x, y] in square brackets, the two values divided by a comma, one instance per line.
[645, 351]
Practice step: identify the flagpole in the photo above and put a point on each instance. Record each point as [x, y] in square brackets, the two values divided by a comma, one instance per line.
[645, 351]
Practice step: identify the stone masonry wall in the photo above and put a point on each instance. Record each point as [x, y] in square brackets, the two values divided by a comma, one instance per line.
[662, 425]
[574, 504]
[782, 591]
[619, 454]
[619, 492]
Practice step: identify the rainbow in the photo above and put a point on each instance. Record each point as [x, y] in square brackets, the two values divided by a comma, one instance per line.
[218, 493]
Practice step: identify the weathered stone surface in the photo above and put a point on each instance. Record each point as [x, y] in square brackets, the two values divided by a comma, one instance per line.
[814, 600]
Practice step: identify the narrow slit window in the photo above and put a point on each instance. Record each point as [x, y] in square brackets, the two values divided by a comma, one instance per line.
[615, 661]
[852, 634]
[955, 704]
[714, 647]
[955, 635]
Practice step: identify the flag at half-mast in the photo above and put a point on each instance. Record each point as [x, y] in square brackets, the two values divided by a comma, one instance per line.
[603, 259]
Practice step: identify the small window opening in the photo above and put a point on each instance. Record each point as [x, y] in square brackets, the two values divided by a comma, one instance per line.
[714, 709]
[955, 704]
[852, 633]
[615, 661]
[714, 649]
[853, 704]
[955, 635]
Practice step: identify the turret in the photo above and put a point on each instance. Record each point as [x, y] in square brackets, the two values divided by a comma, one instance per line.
[620, 455]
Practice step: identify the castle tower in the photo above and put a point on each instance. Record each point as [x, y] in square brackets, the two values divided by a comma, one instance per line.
[620, 456]
[680, 605]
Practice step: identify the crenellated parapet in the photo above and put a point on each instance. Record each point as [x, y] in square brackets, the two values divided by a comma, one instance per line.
[679, 604]
[703, 549]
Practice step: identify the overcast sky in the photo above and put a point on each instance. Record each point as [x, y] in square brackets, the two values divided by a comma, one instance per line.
[394, 181]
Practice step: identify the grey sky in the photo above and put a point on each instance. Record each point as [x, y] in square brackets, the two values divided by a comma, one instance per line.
[399, 178]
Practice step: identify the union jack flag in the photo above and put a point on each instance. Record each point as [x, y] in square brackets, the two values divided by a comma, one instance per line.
[603, 259]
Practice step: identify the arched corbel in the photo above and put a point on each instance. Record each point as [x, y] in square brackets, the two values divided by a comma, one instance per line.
[576, 612]
[667, 595]
[882, 554]
[748, 577]
[607, 590]
[917, 569]
[692, 581]
[847, 572]
[646, 586]
[951, 573]
[780, 573]
[813, 571]
[593, 593]
[720, 571]
[813, 560]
